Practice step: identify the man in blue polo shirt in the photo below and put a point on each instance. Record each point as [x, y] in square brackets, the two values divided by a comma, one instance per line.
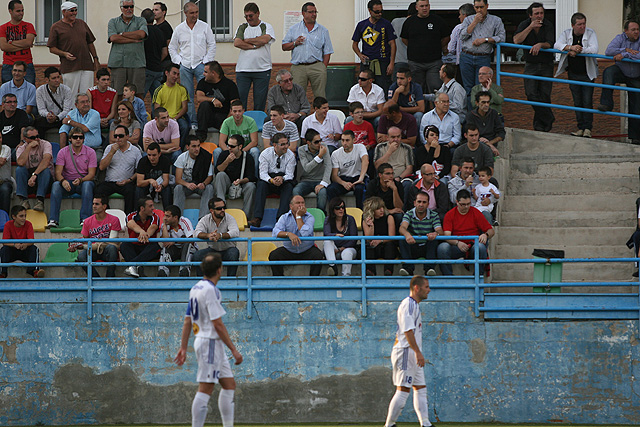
[86, 119]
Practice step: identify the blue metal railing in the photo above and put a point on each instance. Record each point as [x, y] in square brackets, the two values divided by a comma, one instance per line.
[500, 73]
[249, 285]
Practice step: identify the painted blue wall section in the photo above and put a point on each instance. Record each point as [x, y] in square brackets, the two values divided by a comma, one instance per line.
[312, 362]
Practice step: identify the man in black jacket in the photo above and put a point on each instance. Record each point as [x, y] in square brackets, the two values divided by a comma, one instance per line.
[194, 174]
[437, 191]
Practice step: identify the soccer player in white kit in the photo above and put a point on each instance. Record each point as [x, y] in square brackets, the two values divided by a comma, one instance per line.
[204, 315]
[407, 358]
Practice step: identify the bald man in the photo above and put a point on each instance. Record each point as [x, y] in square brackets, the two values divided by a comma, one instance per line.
[437, 191]
[485, 76]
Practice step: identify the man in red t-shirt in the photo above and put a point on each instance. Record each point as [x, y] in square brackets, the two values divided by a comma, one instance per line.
[103, 97]
[16, 40]
[463, 220]
[19, 229]
[143, 225]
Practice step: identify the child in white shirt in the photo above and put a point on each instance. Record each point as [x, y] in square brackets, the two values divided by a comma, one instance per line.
[486, 191]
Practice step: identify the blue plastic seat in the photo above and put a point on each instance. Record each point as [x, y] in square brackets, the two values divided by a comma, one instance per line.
[258, 116]
[4, 217]
[268, 220]
[192, 215]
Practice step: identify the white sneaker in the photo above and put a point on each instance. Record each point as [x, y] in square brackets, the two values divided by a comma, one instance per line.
[587, 133]
[404, 272]
[52, 224]
[579, 132]
[132, 271]
[431, 272]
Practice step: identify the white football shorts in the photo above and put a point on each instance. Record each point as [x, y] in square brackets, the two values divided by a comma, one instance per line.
[212, 360]
[406, 372]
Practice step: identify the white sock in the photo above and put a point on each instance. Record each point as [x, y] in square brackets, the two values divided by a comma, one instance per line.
[226, 405]
[395, 407]
[199, 409]
[421, 406]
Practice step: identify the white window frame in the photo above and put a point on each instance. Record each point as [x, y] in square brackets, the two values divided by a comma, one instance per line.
[43, 33]
[220, 37]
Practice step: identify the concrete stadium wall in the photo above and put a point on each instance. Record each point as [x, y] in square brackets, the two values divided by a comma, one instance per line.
[312, 362]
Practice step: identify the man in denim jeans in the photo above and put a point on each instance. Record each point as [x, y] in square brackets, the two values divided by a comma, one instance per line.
[75, 169]
[34, 158]
[316, 169]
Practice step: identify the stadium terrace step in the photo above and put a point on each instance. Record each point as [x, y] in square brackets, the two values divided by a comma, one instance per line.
[568, 236]
[535, 143]
[573, 186]
[567, 219]
[564, 203]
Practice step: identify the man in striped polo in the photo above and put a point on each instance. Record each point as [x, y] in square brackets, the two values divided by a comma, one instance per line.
[423, 223]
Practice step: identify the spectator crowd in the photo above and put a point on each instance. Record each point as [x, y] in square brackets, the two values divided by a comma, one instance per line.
[416, 151]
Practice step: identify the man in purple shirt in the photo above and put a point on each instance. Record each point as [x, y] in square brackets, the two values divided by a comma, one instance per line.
[625, 45]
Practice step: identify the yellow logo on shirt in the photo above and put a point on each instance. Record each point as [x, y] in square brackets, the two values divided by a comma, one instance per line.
[196, 329]
[370, 36]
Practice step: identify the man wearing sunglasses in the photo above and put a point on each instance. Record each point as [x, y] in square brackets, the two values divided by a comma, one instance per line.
[119, 161]
[234, 166]
[316, 169]
[194, 175]
[35, 168]
[370, 95]
[75, 170]
[216, 227]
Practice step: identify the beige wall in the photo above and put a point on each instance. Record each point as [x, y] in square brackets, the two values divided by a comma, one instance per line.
[337, 15]
[605, 18]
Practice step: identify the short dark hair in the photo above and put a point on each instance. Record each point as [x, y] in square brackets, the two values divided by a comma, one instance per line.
[148, 16]
[431, 128]
[467, 9]
[20, 63]
[132, 87]
[192, 138]
[9, 95]
[468, 160]
[278, 108]
[532, 6]
[404, 70]
[449, 70]
[481, 1]
[278, 136]
[373, 3]
[319, 101]
[463, 194]
[215, 67]
[384, 166]
[393, 107]
[104, 200]
[576, 16]
[369, 73]
[485, 169]
[251, 7]
[154, 146]
[13, 3]
[353, 106]
[470, 126]
[170, 67]
[306, 6]
[481, 94]
[211, 264]
[238, 138]
[174, 210]
[163, 7]
[310, 134]
[126, 129]
[350, 133]
[15, 210]
[50, 70]
[102, 72]
[411, 9]
[629, 22]
[158, 111]
[417, 281]
[142, 201]
[424, 193]
[213, 201]
[237, 103]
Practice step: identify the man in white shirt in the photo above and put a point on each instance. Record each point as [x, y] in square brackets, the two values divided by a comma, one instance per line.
[444, 119]
[370, 95]
[326, 124]
[192, 45]
[349, 169]
[176, 226]
[455, 91]
[194, 174]
[216, 227]
[254, 39]
[54, 101]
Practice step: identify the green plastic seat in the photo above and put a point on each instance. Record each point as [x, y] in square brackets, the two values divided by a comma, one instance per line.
[69, 222]
[319, 217]
[58, 252]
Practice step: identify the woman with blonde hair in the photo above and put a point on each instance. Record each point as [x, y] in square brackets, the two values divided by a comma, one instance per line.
[126, 116]
[376, 221]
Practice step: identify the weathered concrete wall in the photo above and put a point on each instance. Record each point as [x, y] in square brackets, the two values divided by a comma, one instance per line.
[311, 362]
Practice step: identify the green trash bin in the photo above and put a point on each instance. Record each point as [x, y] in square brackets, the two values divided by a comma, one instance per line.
[340, 79]
[547, 272]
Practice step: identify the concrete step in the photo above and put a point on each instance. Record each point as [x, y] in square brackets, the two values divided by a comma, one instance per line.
[567, 219]
[523, 186]
[582, 167]
[541, 143]
[561, 203]
[581, 251]
[592, 272]
[569, 236]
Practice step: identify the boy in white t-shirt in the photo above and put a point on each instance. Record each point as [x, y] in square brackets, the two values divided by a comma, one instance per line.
[349, 169]
[486, 191]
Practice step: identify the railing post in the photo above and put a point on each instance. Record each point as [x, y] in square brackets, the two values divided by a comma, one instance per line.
[249, 278]
[89, 281]
[476, 275]
[363, 275]
[498, 49]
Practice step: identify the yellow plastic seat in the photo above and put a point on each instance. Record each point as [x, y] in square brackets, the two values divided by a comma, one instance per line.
[260, 251]
[356, 213]
[240, 217]
[37, 219]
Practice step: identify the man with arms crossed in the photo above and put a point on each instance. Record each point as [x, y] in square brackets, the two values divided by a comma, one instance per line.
[204, 315]
[406, 356]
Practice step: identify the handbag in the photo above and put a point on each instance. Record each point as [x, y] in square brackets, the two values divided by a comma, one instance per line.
[235, 191]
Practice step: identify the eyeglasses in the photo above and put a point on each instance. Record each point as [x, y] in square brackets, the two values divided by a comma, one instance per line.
[290, 79]
[72, 10]
[363, 79]
[429, 174]
[338, 208]
[32, 137]
[231, 146]
[219, 208]
[377, 12]
[129, 6]
[77, 136]
[119, 135]
[316, 141]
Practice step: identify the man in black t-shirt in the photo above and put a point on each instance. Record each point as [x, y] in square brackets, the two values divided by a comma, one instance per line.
[426, 36]
[155, 50]
[389, 190]
[160, 14]
[214, 93]
[12, 120]
[539, 33]
[152, 175]
[228, 170]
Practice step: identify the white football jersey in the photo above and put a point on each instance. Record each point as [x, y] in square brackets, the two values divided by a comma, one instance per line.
[408, 318]
[204, 307]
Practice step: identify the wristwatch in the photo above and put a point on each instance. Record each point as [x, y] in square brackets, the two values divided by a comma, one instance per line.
[486, 39]
[34, 174]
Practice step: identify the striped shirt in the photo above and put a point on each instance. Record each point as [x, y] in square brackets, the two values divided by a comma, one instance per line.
[421, 227]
